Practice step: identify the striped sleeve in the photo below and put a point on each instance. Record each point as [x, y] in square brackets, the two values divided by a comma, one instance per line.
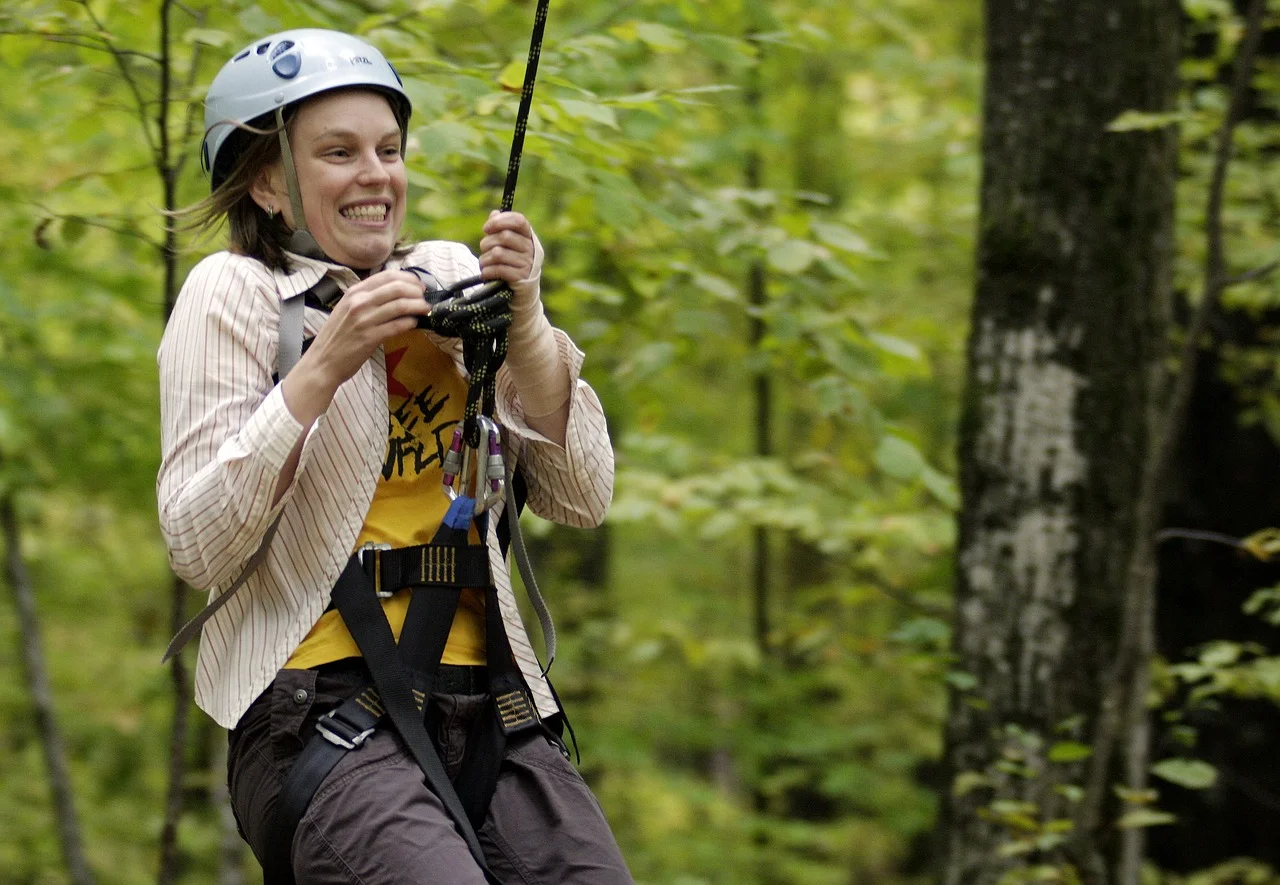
[225, 429]
[573, 484]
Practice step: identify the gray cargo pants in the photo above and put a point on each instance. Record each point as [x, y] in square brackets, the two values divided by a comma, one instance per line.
[374, 822]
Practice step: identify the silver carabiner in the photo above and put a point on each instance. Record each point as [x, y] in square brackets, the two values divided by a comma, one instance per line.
[490, 469]
[453, 465]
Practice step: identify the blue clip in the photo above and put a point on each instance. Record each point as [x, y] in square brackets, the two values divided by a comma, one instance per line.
[460, 513]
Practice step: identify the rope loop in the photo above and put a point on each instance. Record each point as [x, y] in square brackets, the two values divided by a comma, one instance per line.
[478, 312]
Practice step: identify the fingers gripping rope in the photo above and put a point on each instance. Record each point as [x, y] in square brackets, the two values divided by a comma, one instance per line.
[480, 318]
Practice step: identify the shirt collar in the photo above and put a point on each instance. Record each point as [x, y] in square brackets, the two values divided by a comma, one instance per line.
[303, 273]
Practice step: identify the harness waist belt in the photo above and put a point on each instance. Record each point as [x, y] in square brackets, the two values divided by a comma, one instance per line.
[438, 565]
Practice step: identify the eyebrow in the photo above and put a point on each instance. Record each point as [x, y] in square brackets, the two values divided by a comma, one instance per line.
[351, 133]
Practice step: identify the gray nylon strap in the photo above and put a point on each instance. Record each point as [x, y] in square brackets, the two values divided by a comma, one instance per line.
[290, 174]
[521, 556]
[192, 627]
[292, 311]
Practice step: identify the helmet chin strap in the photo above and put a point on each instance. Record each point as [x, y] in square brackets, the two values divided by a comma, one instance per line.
[300, 241]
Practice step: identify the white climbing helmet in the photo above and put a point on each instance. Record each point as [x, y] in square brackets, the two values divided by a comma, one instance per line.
[279, 70]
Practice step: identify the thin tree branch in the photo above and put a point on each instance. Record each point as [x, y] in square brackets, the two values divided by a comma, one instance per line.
[193, 108]
[96, 173]
[82, 41]
[38, 685]
[1197, 535]
[1250, 789]
[602, 23]
[1252, 276]
[907, 600]
[1124, 695]
[167, 169]
[90, 221]
[168, 870]
[119, 56]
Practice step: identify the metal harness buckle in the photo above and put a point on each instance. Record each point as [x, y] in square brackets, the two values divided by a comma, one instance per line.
[371, 562]
[325, 725]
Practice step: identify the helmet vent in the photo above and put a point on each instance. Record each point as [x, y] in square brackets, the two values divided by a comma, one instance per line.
[262, 47]
[244, 54]
[281, 47]
[287, 66]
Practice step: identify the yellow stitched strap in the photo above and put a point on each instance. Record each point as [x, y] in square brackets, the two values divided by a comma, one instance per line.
[372, 703]
[438, 565]
[514, 710]
[369, 700]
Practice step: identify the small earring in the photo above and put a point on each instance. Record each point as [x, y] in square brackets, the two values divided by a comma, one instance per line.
[271, 212]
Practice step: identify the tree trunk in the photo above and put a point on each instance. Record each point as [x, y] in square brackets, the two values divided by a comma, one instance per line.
[37, 678]
[1070, 322]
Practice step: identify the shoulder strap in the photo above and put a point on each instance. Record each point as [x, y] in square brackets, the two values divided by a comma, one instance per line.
[192, 627]
[292, 312]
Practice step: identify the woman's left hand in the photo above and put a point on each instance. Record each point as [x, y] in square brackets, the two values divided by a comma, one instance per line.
[510, 252]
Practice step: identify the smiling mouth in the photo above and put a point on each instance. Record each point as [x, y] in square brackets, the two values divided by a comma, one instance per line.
[367, 212]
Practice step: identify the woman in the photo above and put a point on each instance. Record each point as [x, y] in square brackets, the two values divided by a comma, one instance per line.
[305, 132]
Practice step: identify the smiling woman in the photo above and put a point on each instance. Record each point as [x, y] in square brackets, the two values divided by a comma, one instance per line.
[340, 473]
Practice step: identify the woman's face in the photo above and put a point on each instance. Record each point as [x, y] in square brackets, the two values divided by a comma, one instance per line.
[346, 149]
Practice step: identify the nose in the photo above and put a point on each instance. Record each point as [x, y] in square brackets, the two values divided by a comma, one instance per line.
[372, 168]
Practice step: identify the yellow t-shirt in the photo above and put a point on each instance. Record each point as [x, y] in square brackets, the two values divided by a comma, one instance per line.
[425, 397]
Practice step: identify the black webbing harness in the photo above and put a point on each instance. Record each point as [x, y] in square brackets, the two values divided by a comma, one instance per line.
[404, 677]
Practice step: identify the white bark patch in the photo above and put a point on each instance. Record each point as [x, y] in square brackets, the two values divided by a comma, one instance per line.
[1036, 559]
[1021, 567]
[1029, 415]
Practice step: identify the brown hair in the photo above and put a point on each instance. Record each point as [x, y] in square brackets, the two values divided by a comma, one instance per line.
[251, 231]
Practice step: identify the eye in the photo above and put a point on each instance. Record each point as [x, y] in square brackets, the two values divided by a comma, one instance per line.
[338, 153]
[391, 151]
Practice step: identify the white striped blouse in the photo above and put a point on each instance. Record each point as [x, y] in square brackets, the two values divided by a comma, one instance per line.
[226, 433]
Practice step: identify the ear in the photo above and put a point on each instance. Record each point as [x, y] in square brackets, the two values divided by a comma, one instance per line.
[269, 192]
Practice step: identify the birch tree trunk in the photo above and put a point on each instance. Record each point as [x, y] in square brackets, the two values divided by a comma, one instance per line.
[1069, 324]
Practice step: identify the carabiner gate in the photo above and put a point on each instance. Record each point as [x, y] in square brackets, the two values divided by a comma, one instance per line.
[490, 470]
[453, 465]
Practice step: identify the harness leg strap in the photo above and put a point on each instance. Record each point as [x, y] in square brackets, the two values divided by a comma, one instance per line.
[339, 732]
[363, 615]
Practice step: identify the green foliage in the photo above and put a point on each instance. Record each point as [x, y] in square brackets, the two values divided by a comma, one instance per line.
[1190, 773]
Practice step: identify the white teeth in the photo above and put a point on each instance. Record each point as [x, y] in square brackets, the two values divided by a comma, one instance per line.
[366, 213]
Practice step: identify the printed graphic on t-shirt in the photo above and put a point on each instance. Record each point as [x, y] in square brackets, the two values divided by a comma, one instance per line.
[421, 422]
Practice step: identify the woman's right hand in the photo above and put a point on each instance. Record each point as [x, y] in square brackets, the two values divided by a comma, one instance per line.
[378, 307]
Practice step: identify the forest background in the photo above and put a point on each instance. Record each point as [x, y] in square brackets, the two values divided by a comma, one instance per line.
[760, 222]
